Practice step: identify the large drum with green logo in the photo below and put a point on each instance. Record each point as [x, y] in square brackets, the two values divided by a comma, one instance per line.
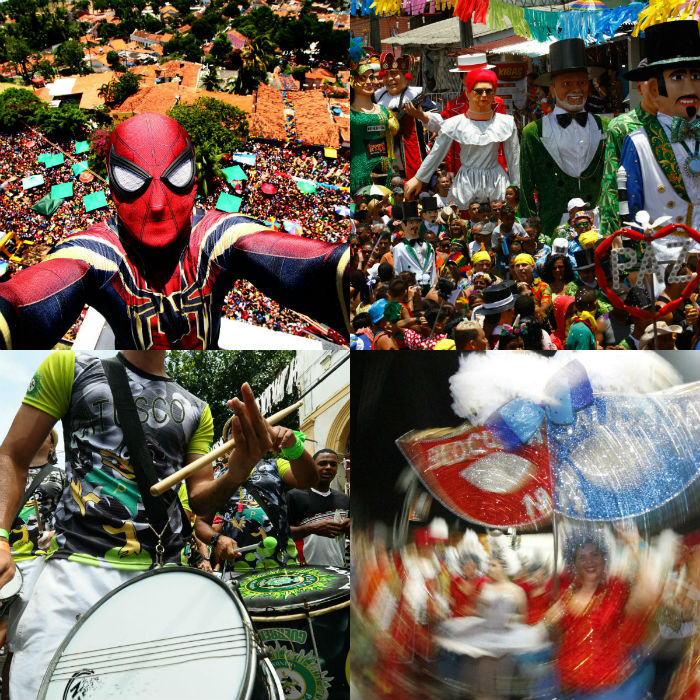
[302, 615]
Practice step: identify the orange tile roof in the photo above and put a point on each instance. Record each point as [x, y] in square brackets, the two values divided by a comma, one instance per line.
[160, 98]
[268, 120]
[188, 71]
[313, 119]
[88, 85]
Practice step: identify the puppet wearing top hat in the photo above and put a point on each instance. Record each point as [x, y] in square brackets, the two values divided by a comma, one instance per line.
[413, 253]
[661, 159]
[561, 154]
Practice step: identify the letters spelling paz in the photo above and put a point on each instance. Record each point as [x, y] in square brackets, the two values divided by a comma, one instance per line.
[462, 448]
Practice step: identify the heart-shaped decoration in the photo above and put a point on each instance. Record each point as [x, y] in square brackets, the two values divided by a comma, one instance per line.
[630, 234]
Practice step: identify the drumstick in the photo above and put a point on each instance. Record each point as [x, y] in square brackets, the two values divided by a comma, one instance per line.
[164, 484]
[38, 517]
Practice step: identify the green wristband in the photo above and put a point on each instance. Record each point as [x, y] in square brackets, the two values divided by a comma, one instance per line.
[297, 449]
[4, 533]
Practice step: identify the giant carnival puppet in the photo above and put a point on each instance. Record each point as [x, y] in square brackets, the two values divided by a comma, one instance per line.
[661, 159]
[433, 120]
[562, 154]
[159, 270]
[618, 129]
[372, 130]
[409, 144]
[479, 132]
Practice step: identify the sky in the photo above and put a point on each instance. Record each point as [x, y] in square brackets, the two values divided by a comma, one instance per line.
[17, 367]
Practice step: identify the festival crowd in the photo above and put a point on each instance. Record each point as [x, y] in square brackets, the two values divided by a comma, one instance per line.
[489, 615]
[315, 212]
[475, 231]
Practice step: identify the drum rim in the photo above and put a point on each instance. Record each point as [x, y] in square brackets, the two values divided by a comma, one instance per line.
[272, 674]
[16, 576]
[251, 664]
[282, 607]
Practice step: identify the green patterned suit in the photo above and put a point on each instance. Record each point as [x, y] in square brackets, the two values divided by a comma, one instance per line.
[618, 128]
[539, 171]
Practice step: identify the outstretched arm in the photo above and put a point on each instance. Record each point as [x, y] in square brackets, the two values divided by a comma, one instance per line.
[38, 305]
[306, 275]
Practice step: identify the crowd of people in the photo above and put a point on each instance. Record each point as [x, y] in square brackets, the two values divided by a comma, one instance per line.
[461, 615]
[314, 212]
[275, 499]
[474, 231]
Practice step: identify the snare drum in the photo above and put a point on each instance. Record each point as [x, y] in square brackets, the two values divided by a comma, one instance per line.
[170, 633]
[302, 614]
[10, 592]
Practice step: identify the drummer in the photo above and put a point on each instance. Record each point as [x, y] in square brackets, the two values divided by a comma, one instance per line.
[257, 510]
[31, 532]
[103, 537]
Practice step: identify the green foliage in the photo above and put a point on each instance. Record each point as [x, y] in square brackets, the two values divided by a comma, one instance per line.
[216, 377]
[64, 122]
[113, 58]
[214, 128]
[186, 46]
[221, 48]
[210, 81]
[18, 106]
[256, 59]
[205, 27]
[70, 55]
[46, 69]
[118, 89]
[107, 31]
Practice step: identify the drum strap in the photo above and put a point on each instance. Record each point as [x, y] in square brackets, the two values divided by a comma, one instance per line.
[157, 512]
[33, 486]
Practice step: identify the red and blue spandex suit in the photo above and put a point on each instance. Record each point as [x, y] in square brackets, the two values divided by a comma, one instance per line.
[159, 272]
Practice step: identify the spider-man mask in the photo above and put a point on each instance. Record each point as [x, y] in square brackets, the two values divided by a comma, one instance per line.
[152, 178]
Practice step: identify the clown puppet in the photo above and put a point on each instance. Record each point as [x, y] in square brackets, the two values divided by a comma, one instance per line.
[409, 143]
[159, 271]
[479, 133]
[661, 159]
[434, 120]
[562, 153]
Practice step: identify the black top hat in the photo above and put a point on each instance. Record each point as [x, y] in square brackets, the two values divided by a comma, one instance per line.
[429, 203]
[584, 258]
[667, 45]
[497, 298]
[567, 56]
[406, 211]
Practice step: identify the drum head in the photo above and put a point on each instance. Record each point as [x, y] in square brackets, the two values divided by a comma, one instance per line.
[12, 588]
[170, 633]
[292, 588]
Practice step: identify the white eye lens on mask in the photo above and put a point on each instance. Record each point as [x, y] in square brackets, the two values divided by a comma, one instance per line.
[181, 175]
[126, 179]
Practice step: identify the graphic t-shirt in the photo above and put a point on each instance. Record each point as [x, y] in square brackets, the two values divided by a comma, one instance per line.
[100, 518]
[247, 523]
[309, 506]
[25, 532]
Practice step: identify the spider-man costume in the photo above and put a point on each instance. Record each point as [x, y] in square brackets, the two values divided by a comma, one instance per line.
[159, 272]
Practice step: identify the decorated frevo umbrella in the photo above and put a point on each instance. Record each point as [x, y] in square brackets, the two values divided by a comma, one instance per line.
[588, 5]
[593, 456]
[370, 191]
[268, 188]
[306, 186]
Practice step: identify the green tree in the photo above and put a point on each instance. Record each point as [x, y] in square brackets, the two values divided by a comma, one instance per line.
[185, 46]
[256, 59]
[45, 69]
[70, 55]
[113, 59]
[216, 377]
[64, 122]
[17, 107]
[18, 54]
[118, 89]
[215, 128]
[221, 48]
[210, 80]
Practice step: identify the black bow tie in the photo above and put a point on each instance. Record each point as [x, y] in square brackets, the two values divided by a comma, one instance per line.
[413, 242]
[565, 119]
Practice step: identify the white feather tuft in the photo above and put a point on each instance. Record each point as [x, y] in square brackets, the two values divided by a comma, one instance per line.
[486, 381]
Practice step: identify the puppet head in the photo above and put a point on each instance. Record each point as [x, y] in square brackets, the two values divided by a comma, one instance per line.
[396, 72]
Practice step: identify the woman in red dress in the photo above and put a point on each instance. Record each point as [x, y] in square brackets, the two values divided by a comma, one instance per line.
[599, 622]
